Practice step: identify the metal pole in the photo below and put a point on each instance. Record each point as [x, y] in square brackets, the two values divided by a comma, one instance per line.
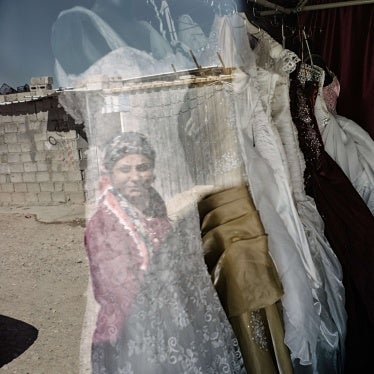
[321, 6]
[268, 4]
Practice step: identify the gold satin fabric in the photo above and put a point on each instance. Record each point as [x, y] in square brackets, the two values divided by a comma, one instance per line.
[245, 277]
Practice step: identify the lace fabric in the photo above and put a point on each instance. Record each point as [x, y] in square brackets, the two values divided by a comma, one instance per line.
[163, 314]
[272, 56]
[319, 261]
[272, 197]
[330, 95]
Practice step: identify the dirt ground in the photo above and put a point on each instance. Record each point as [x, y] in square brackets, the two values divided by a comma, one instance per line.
[43, 281]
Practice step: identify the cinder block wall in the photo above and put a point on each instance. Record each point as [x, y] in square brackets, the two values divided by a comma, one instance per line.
[39, 167]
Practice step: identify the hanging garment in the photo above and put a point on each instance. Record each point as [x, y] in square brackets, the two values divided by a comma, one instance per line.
[247, 282]
[272, 196]
[274, 66]
[346, 142]
[348, 222]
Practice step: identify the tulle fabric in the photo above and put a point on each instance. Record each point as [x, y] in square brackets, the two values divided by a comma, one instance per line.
[171, 318]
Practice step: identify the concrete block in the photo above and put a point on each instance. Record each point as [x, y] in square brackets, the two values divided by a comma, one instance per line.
[71, 187]
[31, 197]
[37, 81]
[39, 146]
[45, 197]
[16, 167]
[26, 157]
[76, 197]
[5, 198]
[13, 148]
[18, 198]
[5, 119]
[56, 166]
[14, 157]
[47, 187]
[26, 147]
[24, 138]
[2, 127]
[2, 179]
[3, 148]
[40, 136]
[58, 186]
[43, 165]
[16, 177]
[56, 155]
[43, 176]
[43, 117]
[10, 138]
[30, 166]
[58, 197]
[21, 128]
[33, 187]
[40, 156]
[20, 187]
[50, 147]
[73, 176]
[34, 125]
[2, 141]
[11, 127]
[4, 168]
[58, 177]
[7, 187]
[29, 177]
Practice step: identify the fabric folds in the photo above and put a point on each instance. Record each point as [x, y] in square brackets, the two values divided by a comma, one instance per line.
[245, 277]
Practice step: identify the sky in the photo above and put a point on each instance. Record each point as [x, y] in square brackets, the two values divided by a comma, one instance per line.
[25, 31]
[25, 28]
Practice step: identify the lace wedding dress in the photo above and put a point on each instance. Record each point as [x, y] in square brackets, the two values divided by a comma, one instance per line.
[324, 270]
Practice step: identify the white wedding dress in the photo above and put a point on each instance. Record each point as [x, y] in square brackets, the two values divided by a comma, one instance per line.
[349, 145]
[324, 270]
[313, 303]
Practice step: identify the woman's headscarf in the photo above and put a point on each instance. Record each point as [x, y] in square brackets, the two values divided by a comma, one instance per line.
[125, 144]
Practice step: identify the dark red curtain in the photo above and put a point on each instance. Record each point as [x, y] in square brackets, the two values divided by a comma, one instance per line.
[345, 39]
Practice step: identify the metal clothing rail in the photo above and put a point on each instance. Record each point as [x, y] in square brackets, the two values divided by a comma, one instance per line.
[192, 77]
[301, 7]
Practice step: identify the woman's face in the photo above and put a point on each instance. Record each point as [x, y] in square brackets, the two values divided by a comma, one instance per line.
[132, 175]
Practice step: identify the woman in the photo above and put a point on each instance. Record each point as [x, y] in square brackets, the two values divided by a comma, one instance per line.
[158, 309]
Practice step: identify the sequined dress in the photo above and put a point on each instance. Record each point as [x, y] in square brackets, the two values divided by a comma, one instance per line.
[349, 225]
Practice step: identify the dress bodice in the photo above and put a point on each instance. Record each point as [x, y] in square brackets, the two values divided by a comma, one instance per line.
[331, 94]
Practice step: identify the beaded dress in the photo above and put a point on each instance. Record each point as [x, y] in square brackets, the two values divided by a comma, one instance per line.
[348, 222]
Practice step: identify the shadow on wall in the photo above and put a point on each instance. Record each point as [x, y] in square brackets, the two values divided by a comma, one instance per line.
[15, 338]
